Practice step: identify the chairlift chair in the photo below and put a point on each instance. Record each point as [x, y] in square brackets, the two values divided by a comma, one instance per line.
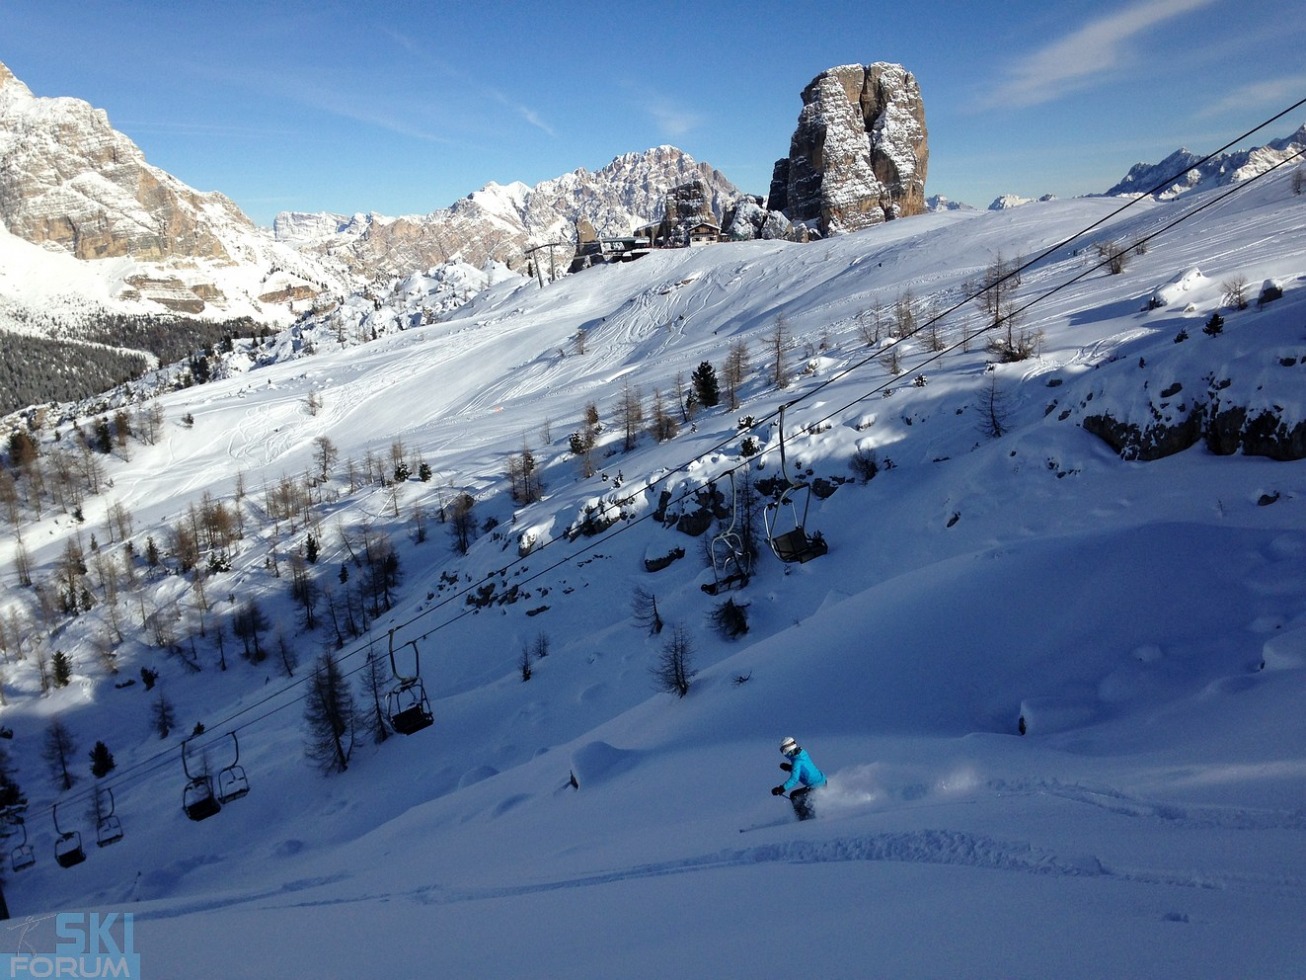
[198, 799]
[793, 544]
[108, 828]
[68, 850]
[232, 782]
[22, 856]
[407, 707]
[731, 562]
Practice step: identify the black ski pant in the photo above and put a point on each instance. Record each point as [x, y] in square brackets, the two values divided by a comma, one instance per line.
[804, 800]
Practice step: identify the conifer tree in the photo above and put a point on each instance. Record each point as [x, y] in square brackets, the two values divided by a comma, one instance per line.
[101, 760]
[163, 718]
[705, 385]
[10, 793]
[372, 718]
[329, 717]
[62, 665]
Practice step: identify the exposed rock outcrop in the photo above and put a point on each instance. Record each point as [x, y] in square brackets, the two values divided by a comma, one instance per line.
[500, 221]
[1198, 392]
[749, 220]
[859, 154]
[71, 183]
[69, 179]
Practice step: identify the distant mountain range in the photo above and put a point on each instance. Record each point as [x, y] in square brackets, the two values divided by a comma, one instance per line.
[1184, 171]
[75, 186]
[499, 222]
[91, 232]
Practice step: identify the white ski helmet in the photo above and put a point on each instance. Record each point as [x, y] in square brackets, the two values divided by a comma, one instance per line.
[788, 746]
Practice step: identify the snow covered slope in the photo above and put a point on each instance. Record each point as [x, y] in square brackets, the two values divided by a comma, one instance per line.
[1145, 622]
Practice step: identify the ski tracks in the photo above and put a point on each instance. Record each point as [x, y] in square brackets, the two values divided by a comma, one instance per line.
[938, 847]
[1198, 818]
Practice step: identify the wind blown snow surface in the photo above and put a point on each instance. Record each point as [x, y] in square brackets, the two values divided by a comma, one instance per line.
[1147, 621]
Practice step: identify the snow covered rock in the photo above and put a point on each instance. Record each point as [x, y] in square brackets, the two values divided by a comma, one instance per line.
[1177, 288]
[749, 220]
[859, 154]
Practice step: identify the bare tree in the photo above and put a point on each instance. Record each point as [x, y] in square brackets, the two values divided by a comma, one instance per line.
[1008, 341]
[289, 658]
[325, 455]
[163, 717]
[398, 461]
[904, 315]
[684, 404]
[644, 610]
[248, 623]
[993, 412]
[1235, 292]
[9, 498]
[1113, 255]
[674, 666]
[372, 719]
[22, 563]
[870, 325]
[663, 425]
[734, 373]
[329, 717]
[777, 343]
[149, 422]
[629, 411]
[583, 440]
[304, 589]
[58, 751]
[462, 524]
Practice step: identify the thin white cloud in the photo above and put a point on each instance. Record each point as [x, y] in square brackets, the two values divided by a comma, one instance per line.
[526, 112]
[1086, 57]
[1272, 93]
[674, 121]
[412, 48]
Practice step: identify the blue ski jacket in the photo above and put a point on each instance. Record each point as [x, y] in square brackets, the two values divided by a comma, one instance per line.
[804, 772]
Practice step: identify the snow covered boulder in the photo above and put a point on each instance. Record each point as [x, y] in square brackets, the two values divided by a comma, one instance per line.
[1044, 716]
[599, 761]
[1175, 290]
[1271, 290]
[1285, 651]
[657, 559]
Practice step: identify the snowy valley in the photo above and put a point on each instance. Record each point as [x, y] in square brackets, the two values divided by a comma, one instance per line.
[992, 566]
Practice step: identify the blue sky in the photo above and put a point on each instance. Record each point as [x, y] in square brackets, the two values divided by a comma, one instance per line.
[403, 107]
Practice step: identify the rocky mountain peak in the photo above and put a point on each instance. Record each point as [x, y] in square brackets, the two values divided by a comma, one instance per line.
[859, 153]
[499, 222]
[7, 78]
[68, 179]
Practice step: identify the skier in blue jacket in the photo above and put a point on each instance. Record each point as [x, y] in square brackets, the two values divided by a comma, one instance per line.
[804, 779]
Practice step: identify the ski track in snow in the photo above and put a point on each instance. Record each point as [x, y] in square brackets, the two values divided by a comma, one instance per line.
[940, 847]
[1113, 801]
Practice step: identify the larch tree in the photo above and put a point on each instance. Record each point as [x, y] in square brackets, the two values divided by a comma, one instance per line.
[58, 750]
[329, 717]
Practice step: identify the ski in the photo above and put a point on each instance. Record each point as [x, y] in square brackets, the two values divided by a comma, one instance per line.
[762, 826]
